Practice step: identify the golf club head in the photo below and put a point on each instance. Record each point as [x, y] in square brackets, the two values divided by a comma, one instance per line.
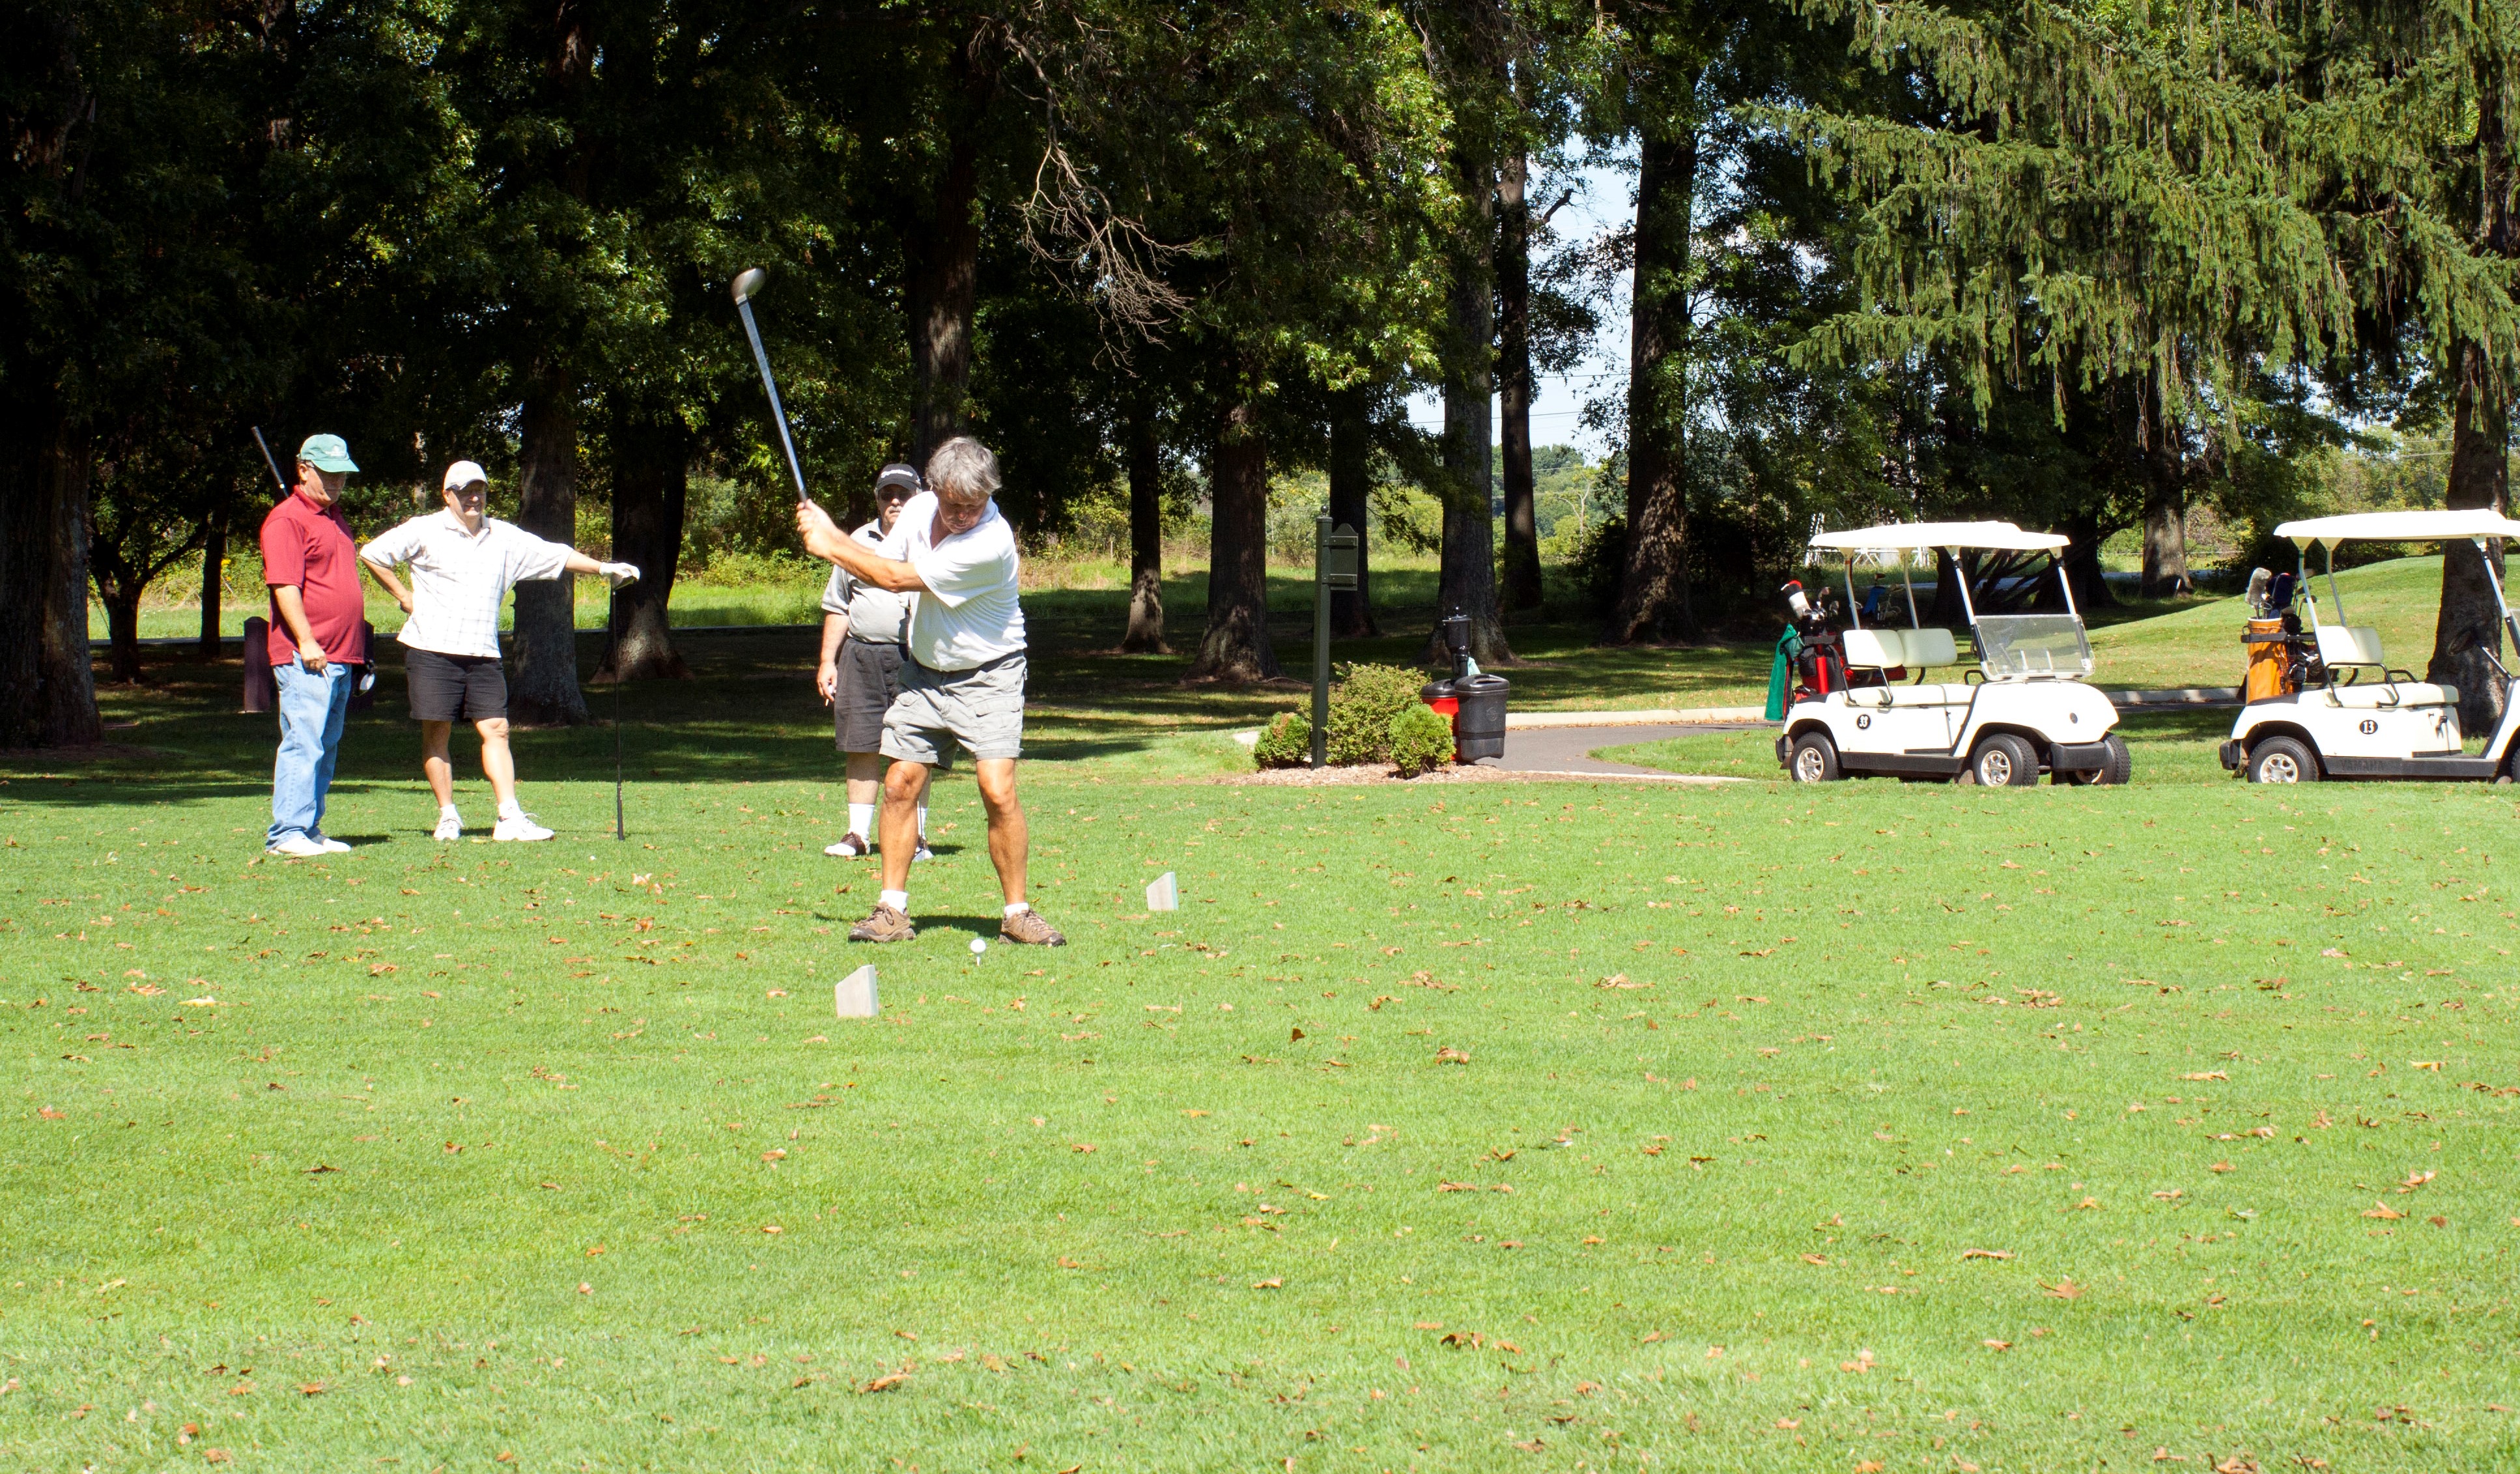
[747, 283]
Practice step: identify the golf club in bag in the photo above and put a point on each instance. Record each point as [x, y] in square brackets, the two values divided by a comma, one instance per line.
[747, 285]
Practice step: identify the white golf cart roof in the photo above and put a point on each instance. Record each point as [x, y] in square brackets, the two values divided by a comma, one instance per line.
[1902, 537]
[2441, 526]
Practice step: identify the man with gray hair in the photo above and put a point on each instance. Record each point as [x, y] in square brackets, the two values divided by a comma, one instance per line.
[963, 675]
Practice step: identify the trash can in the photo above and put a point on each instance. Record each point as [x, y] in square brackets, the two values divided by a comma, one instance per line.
[1438, 694]
[1478, 718]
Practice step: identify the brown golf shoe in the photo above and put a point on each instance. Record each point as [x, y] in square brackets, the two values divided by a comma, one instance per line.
[1029, 928]
[884, 924]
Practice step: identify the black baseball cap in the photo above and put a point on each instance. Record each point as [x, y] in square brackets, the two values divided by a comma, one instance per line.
[897, 480]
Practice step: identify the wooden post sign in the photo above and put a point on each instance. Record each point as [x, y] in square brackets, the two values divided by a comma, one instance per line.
[1334, 572]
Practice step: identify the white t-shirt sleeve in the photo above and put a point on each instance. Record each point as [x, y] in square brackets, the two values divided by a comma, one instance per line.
[835, 591]
[394, 546]
[532, 560]
[963, 566]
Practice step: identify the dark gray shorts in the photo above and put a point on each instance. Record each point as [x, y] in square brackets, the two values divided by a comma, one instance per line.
[982, 708]
[869, 677]
[455, 687]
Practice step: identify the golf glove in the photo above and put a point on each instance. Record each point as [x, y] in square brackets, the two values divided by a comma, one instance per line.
[617, 574]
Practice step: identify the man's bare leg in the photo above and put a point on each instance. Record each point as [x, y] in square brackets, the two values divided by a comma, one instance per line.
[433, 760]
[866, 778]
[498, 763]
[902, 784]
[1009, 837]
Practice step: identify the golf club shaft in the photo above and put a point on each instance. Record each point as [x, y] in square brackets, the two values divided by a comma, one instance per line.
[778, 411]
[271, 461]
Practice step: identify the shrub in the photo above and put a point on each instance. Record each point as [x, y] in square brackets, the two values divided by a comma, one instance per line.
[1361, 705]
[1421, 741]
[1600, 563]
[1286, 743]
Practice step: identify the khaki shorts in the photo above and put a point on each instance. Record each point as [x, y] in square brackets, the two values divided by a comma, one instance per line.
[980, 709]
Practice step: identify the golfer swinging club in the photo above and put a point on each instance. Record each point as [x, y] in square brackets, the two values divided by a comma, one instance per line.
[463, 563]
[963, 675]
[863, 627]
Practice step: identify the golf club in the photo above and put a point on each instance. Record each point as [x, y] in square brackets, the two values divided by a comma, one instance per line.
[271, 461]
[746, 284]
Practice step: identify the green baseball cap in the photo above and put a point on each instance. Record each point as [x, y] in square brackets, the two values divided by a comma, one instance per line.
[327, 453]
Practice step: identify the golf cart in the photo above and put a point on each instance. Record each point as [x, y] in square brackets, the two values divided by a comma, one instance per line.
[2324, 701]
[2027, 712]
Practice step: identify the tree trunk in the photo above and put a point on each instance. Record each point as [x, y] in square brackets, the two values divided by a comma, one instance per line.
[123, 629]
[47, 677]
[1236, 646]
[214, 557]
[650, 474]
[1654, 592]
[1467, 581]
[2469, 625]
[1145, 634]
[1514, 381]
[544, 690]
[1351, 497]
[2082, 558]
[941, 260]
[2165, 499]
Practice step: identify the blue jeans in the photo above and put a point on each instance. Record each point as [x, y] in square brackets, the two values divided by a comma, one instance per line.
[312, 708]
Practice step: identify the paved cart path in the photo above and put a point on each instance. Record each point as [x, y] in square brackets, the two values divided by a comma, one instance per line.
[1570, 749]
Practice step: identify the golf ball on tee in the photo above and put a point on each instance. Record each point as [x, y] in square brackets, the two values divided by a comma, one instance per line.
[978, 946]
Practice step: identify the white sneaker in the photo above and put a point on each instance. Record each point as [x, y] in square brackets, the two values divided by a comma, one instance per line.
[296, 847]
[450, 827]
[328, 845]
[850, 847]
[923, 852]
[519, 827]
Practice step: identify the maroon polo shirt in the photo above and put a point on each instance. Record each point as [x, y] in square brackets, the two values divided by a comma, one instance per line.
[311, 546]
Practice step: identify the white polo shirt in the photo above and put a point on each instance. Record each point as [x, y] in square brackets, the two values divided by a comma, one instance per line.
[876, 616]
[969, 615]
[460, 578]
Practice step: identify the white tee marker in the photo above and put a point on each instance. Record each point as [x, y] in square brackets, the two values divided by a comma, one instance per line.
[854, 995]
[1164, 894]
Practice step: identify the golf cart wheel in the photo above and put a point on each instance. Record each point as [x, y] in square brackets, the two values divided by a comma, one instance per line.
[2282, 760]
[1815, 759]
[2117, 766]
[2004, 761]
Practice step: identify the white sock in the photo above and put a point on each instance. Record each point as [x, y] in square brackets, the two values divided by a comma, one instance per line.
[511, 810]
[447, 811]
[862, 821]
[898, 900]
[922, 823]
[1014, 907]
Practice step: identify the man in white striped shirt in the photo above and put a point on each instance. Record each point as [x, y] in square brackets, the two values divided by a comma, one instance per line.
[463, 563]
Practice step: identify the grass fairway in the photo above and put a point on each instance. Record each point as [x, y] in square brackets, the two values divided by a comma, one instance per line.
[1917, 1127]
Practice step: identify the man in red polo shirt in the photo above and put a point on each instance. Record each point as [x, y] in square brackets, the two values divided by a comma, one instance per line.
[317, 635]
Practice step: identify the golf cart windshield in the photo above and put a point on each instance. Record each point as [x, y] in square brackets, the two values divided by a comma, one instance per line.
[2021, 645]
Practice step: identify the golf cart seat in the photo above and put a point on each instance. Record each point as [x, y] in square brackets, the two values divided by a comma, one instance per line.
[1883, 647]
[1917, 650]
[2357, 644]
[2382, 695]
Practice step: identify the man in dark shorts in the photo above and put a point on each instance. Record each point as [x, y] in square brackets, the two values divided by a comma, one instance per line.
[463, 563]
[318, 636]
[863, 627]
[963, 676]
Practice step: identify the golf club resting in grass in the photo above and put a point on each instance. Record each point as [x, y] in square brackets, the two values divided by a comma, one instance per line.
[962, 675]
[859, 672]
[462, 562]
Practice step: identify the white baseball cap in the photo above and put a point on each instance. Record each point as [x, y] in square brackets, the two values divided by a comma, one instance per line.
[463, 474]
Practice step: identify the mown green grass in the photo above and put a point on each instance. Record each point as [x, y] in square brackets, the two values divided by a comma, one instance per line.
[1761, 1067]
